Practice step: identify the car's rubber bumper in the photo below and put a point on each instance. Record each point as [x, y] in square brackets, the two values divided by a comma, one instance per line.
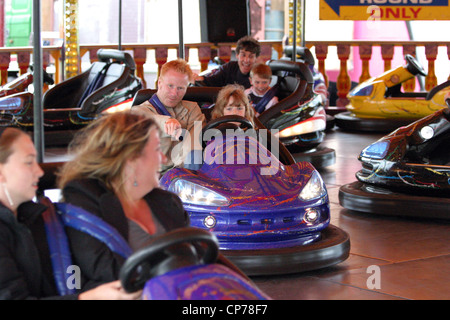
[319, 157]
[358, 196]
[347, 121]
[331, 249]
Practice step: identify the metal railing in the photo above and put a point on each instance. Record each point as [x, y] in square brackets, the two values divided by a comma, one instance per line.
[206, 51]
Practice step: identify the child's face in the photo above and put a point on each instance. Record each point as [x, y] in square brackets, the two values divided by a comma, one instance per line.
[260, 85]
[234, 108]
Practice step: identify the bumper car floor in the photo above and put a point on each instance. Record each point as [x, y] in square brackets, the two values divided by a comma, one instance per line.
[411, 254]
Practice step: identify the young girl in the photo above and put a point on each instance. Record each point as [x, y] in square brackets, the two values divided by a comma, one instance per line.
[232, 100]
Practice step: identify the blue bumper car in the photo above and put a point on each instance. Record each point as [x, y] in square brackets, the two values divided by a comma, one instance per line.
[270, 214]
[182, 265]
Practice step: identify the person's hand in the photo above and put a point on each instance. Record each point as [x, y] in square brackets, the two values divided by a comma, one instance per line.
[173, 128]
[196, 77]
[109, 291]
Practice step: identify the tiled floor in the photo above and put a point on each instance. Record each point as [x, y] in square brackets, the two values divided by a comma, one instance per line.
[412, 255]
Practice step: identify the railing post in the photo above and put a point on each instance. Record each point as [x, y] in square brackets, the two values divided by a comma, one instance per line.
[321, 55]
[224, 52]
[278, 47]
[266, 52]
[387, 53]
[365, 53]
[431, 54]
[204, 55]
[56, 54]
[4, 65]
[410, 84]
[186, 53]
[23, 60]
[92, 55]
[343, 82]
[140, 56]
[161, 54]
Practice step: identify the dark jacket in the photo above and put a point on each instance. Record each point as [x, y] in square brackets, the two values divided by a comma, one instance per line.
[229, 73]
[25, 265]
[97, 263]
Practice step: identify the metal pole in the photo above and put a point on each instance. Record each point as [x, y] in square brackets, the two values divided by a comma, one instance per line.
[120, 24]
[294, 31]
[180, 30]
[303, 41]
[38, 114]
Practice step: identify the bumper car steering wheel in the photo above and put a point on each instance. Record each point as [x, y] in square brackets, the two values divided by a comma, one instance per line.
[176, 249]
[413, 66]
[226, 122]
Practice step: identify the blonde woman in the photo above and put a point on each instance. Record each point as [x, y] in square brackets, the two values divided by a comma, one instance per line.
[115, 175]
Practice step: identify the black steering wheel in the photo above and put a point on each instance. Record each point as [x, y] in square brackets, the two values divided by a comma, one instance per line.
[46, 77]
[173, 250]
[413, 66]
[226, 122]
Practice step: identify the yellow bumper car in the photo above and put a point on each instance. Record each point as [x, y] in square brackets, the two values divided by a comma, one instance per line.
[379, 105]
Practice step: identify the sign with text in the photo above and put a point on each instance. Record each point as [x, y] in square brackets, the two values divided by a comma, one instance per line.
[384, 10]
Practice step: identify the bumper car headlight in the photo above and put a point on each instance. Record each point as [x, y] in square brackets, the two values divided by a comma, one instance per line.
[314, 189]
[426, 133]
[377, 150]
[311, 215]
[308, 126]
[316, 123]
[193, 193]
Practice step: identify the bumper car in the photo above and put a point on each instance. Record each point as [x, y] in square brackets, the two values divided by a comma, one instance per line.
[379, 105]
[270, 214]
[299, 115]
[304, 55]
[21, 84]
[183, 264]
[75, 102]
[405, 173]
